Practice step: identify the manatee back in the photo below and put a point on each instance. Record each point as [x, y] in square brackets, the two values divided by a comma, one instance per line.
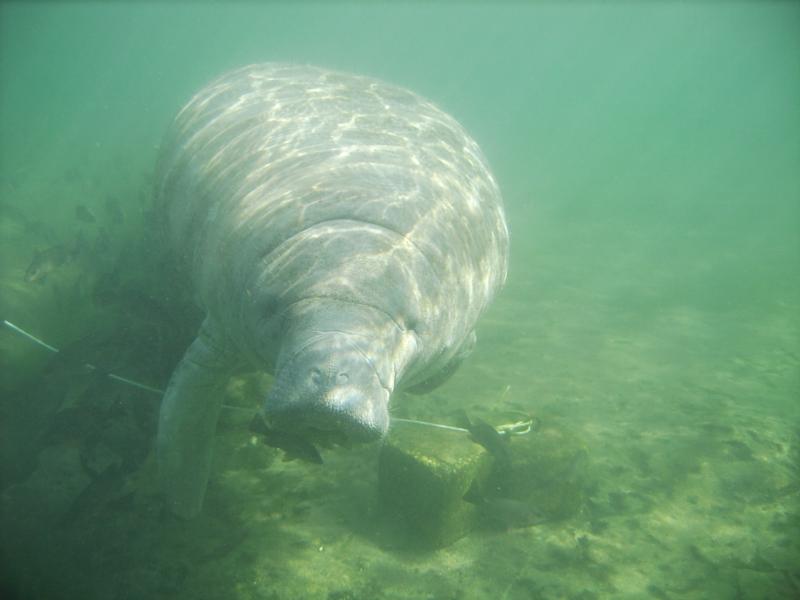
[280, 182]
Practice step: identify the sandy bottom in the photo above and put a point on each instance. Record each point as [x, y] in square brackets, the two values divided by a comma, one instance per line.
[686, 404]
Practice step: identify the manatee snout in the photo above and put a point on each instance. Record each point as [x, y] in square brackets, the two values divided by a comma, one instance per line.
[326, 389]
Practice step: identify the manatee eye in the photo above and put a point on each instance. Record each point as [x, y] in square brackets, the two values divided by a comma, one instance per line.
[315, 375]
[342, 378]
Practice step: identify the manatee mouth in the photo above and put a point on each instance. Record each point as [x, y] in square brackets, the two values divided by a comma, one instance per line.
[341, 415]
[321, 426]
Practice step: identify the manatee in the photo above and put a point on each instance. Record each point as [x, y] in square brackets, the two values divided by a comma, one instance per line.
[341, 233]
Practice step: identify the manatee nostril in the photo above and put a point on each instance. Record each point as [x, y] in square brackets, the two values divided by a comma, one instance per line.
[315, 375]
[342, 378]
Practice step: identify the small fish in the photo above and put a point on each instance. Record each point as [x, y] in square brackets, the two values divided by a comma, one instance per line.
[487, 436]
[45, 262]
[84, 214]
[102, 243]
[106, 289]
[114, 211]
[504, 513]
[294, 446]
[72, 175]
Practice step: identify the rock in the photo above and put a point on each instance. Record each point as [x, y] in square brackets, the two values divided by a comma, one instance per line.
[547, 472]
[423, 475]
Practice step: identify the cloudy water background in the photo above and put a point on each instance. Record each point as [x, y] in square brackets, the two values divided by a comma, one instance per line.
[648, 157]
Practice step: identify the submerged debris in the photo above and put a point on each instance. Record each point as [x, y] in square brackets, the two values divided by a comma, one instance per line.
[114, 210]
[82, 213]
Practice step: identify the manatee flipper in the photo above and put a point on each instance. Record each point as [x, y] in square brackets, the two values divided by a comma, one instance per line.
[434, 381]
[188, 419]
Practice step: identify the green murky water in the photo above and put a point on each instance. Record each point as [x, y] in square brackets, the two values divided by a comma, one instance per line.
[648, 157]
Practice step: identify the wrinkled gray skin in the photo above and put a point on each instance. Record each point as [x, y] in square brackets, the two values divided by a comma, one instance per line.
[342, 233]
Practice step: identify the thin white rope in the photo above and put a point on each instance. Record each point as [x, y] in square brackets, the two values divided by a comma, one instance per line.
[518, 428]
[92, 367]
